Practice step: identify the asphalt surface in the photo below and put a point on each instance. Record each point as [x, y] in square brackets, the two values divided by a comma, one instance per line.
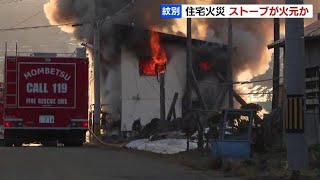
[87, 163]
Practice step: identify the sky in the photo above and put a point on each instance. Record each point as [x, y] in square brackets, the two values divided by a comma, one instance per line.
[35, 40]
[47, 39]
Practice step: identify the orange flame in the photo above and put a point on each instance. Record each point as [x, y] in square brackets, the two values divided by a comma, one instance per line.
[158, 57]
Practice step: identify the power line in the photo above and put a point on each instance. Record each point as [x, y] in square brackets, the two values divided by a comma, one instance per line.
[32, 16]
[72, 24]
[119, 12]
[35, 27]
[238, 82]
[27, 19]
[46, 26]
[255, 93]
[11, 1]
[263, 80]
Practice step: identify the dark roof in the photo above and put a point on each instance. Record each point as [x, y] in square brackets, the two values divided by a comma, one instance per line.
[129, 31]
[312, 31]
[137, 40]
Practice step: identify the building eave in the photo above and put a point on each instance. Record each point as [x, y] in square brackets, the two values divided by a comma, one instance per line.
[170, 38]
[311, 32]
[281, 42]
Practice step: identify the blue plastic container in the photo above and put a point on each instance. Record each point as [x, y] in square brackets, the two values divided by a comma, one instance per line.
[230, 148]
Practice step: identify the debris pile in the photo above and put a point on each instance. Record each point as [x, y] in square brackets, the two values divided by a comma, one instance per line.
[195, 130]
[162, 146]
[166, 137]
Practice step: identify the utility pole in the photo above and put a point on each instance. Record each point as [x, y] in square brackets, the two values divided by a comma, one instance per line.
[96, 64]
[189, 64]
[230, 74]
[297, 149]
[162, 98]
[276, 64]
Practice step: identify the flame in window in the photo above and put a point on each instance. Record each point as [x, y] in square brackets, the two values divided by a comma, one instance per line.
[156, 65]
[204, 66]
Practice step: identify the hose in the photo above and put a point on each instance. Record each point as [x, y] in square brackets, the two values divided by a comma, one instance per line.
[100, 141]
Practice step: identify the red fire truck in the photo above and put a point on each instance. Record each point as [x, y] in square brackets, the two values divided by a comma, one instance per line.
[46, 100]
[1, 113]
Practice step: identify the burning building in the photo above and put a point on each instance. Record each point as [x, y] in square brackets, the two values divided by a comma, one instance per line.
[132, 85]
[250, 57]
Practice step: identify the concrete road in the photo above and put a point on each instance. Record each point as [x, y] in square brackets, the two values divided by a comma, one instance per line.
[87, 163]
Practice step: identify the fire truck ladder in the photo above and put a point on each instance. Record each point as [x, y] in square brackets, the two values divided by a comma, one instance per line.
[11, 80]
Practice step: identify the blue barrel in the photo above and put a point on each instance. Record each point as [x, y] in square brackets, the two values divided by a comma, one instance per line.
[230, 148]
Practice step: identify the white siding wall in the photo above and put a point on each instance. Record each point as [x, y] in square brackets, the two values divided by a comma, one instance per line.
[148, 89]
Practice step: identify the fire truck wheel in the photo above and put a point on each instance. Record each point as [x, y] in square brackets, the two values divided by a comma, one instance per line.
[73, 144]
[8, 144]
[17, 144]
[2, 142]
[50, 144]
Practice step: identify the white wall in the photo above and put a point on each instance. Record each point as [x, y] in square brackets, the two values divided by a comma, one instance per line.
[148, 89]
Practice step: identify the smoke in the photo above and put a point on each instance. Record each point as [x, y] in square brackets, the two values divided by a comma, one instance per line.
[112, 90]
[250, 37]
